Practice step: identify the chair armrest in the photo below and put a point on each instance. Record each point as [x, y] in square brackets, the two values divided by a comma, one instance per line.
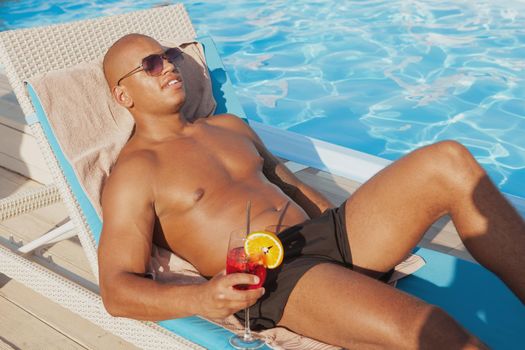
[27, 201]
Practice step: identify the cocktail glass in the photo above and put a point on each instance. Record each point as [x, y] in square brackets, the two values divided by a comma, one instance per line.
[238, 261]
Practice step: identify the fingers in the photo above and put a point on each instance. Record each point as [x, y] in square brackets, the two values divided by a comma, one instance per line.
[241, 278]
[246, 295]
[241, 298]
[229, 301]
[229, 292]
[223, 299]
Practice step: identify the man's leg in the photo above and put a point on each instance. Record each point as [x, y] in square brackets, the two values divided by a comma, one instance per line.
[385, 219]
[345, 308]
[388, 215]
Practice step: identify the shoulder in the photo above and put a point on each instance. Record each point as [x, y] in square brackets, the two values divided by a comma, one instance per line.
[134, 164]
[226, 119]
[131, 175]
[231, 122]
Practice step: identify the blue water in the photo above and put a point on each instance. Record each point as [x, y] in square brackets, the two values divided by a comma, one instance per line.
[382, 77]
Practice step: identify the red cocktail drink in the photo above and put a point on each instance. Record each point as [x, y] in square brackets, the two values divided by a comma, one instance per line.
[237, 261]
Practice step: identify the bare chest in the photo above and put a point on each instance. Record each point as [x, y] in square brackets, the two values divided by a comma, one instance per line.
[197, 170]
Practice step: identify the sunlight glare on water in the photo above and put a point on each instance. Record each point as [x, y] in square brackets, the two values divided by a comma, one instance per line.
[382, 77]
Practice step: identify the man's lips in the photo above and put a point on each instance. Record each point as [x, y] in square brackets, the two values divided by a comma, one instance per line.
[172, 81]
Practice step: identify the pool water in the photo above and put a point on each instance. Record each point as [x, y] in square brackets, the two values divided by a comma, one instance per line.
[381, 77]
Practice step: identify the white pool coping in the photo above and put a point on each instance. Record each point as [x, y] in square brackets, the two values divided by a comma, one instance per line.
[337, 160]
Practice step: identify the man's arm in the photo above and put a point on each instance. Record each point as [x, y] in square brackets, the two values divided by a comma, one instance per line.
[124, 253]
[311, 200]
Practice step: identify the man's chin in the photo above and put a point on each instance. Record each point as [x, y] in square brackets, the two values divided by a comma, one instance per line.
[177, 104]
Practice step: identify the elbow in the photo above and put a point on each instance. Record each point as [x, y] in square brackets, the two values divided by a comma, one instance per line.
[110, 304]
[112, 307]
[111, 300]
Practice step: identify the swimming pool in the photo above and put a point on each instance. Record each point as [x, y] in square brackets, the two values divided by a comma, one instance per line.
[381, 77]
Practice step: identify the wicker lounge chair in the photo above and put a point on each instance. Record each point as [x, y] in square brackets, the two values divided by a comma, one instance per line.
[466, 290]
[58, 43]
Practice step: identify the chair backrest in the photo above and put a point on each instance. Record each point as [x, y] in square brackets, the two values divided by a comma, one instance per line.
[73, 99]
[57, 46]
[28, 52]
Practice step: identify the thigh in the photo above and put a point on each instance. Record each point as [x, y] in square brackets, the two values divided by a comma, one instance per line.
[338, 306]
[388, 215]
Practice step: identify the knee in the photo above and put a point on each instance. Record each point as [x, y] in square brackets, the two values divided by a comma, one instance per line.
[438, 330]
[430, 327]
[451, 154]
[453, 163]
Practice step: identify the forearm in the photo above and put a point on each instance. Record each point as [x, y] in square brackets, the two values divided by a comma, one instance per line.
[132, 296]
[311, 200]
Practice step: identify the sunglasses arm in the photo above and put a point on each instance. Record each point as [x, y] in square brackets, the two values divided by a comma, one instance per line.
[129, 74]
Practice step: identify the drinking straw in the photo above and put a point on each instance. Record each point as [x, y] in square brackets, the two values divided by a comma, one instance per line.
[248, 207]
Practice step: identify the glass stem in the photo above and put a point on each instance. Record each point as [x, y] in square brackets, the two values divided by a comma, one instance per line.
[247, 330]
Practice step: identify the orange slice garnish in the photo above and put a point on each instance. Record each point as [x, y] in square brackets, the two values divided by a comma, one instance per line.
[267, 244]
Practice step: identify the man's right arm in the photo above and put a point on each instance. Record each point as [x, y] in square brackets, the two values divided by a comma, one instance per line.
[124, 253]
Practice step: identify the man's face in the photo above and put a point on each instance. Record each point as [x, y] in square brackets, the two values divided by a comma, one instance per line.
[162, 94]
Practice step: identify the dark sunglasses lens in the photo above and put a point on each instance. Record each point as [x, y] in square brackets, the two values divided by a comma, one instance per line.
[153, 64]
[173, 54]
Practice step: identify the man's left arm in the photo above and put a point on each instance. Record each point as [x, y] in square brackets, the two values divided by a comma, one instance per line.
[311, 200]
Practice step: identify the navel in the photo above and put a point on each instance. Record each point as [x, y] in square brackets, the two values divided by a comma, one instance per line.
[199, 193]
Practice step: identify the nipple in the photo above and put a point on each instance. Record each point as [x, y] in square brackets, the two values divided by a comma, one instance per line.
[199, 193]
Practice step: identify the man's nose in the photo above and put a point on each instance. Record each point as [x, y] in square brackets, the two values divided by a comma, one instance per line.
[168, 66]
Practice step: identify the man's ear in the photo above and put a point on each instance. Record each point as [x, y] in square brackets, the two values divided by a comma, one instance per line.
[122, 97]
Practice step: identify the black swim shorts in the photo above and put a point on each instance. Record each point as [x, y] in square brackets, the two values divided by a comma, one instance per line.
[316, 241]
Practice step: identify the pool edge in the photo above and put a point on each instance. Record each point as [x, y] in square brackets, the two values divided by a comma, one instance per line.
[333, 158]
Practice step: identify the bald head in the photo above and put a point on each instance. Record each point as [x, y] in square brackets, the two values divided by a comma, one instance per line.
[143, 94]
[116, 63]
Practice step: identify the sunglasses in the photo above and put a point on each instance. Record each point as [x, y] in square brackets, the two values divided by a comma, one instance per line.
[154, 64]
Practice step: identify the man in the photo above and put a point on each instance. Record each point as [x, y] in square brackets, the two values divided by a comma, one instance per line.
[184, 186]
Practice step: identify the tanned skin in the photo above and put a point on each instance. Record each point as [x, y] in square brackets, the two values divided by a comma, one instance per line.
[184, 186]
